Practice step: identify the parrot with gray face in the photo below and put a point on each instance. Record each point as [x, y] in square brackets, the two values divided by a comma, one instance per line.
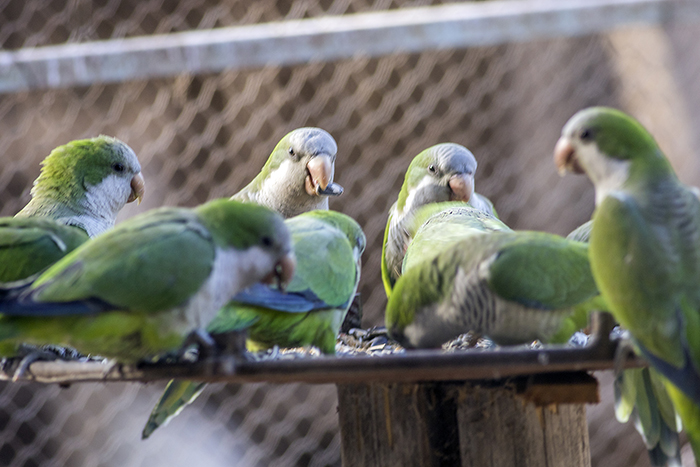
[147, 285]
[463, 272]
[441, 173]
[328, 246]
[644, 247]
[298, 175]
[81, 188]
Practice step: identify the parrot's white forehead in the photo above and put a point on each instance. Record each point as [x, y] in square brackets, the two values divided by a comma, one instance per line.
[313, 141]
[578, 120]
[453, 157]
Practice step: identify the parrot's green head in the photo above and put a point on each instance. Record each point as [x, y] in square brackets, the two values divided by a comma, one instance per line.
[345, 224]
[250, 227]
[444, 172]
[103, 168]
[611, 147]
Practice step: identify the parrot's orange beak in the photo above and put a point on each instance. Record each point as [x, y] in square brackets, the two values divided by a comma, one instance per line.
[283, 272]
[565, 157]
[462, 187]
[138, 188]
[319, 180]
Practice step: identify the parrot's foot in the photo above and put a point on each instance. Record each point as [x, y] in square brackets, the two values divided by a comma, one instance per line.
[206, 345]
[31, 355]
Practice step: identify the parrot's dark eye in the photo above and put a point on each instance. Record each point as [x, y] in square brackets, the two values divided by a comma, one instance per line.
[291, 151]
[586, 134]
[118, 167]
[431, 168]
[267, 241]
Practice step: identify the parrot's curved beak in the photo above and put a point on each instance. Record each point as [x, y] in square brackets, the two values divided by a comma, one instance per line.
[283, 272]
[565, 157]
[462, 187]
[319, 180]
[138, 188]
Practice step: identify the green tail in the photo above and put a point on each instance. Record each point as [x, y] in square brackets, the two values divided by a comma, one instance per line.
[640, 394]
[690, 416]
[177, 395]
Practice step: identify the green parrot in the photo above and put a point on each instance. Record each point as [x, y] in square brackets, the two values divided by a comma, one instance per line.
[81, 188]
[328, 246]
[640, 395]
[444, 172]
[513, 287]
[147, 285]
[644, 247]
[298, 175]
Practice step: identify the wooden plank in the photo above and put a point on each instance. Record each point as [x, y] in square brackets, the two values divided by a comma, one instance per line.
[410, 366]
[373, 34]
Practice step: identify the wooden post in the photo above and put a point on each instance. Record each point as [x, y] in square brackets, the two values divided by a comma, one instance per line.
[529, 421]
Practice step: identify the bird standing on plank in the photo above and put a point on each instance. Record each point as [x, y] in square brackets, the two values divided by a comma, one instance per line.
[462, 272]
[328, 246]
[143, 287]
[81, 188]
[644, 247]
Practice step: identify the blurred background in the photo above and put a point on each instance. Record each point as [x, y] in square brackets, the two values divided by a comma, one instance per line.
[205, 136]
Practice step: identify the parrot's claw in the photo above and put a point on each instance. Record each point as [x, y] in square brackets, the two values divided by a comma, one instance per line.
[206, 345]
[33, 355]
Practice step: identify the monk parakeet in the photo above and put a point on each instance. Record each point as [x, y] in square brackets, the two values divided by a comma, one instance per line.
[298, 175]
[141, 288]
[328, 246]
[444, 172]
[81, 188]
[644, 247]
[513, 287]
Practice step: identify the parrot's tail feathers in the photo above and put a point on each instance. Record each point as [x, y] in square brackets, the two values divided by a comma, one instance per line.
[177, 396]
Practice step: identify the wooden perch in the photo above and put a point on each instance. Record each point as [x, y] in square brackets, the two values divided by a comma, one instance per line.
[411, 366]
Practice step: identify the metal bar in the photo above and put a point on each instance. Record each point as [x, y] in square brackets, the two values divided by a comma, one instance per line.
[412, 366]
[327, 38]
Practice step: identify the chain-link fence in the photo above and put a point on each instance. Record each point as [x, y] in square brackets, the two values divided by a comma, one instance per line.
[205, 136]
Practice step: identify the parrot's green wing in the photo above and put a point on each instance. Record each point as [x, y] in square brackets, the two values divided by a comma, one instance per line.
[134, 267]
[30, 245]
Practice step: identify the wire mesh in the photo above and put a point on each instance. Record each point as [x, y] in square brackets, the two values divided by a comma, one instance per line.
[200, 137]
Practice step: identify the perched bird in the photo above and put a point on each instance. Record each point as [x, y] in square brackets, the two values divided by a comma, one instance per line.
[143, 287]
[298, 175]
[444, 172]
[644, 247]
[328, 246]
[513, 287]
[81, 188]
